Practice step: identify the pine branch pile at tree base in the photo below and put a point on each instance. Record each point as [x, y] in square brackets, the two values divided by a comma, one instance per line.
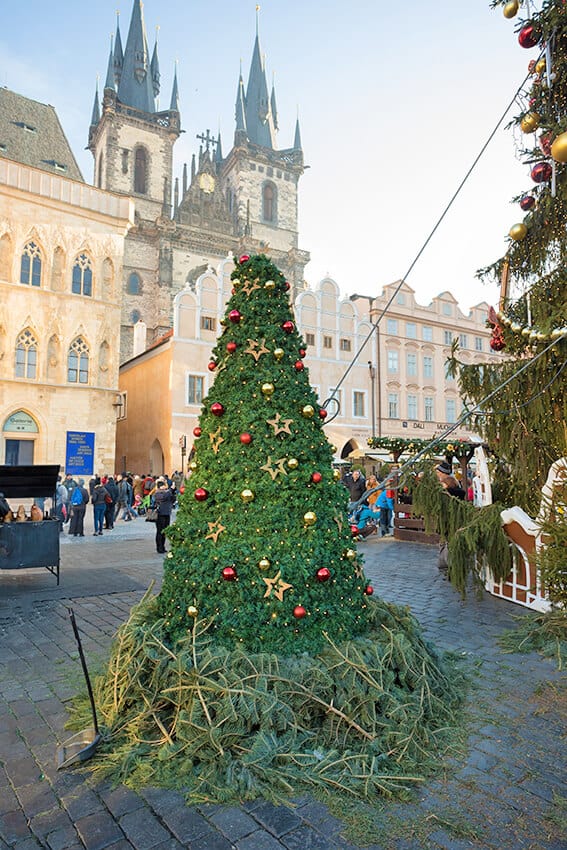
[543, 633]
[363, 718]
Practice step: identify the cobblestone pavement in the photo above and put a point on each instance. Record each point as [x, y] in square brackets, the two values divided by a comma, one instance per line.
[502, 793]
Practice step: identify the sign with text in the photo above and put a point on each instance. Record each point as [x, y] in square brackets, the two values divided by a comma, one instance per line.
[79, 455]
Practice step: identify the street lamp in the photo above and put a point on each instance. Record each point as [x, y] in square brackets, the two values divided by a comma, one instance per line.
[372, 372]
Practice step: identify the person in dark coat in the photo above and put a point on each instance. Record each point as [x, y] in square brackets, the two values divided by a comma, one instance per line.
[163, 500]
[112, 489]
[98, 500]
[78, 509]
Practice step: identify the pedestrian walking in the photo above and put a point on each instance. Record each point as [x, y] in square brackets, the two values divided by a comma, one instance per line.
[163, 500]
[78, 507]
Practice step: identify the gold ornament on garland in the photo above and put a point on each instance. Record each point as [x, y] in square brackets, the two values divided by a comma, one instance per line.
[530, 122]
[264, 564]
[270, 285]
[350, 554]
[308, 411]
[279, 353]
[310, 518]
[192, 611]
[559, 148]
[268, 390]
[511, 9]
[293, 463]
[336, 475]
[247, 496]
[518, 232]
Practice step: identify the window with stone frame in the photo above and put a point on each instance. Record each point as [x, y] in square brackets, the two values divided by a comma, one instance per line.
[269, 197]
[82, 279]
[78, 362]
[26, 355]
[30, 267]
[195, 389]
[310, 339]
[141, 172]
[133, 283]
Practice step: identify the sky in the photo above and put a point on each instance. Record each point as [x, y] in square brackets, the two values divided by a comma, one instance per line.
[395, 102]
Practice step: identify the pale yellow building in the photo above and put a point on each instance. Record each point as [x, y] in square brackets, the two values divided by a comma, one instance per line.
[397, 385]
[61, 257]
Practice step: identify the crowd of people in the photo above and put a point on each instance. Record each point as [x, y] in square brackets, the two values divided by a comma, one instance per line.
[122, 497]
[371, 506]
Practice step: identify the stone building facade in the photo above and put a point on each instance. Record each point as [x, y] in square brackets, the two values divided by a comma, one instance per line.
[61, 251]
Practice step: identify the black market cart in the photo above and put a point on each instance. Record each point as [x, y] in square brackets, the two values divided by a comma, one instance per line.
[24, 545]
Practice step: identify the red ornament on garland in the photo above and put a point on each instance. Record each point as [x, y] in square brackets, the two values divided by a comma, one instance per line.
[368, 590]
[229, 574]
[197, 431]
[354, 530]
[246, 438]
[217, 408]
[299, 366]
[231, 347]
[322, 413]
[288, 327]
[299, 612]
[244, 258]
[235, 316]
[323, 574]
[201, 494]
[544, 142]
[527, 202]
[302, 352]
[529, 36]
[287, 286]
[541, 172]
[497, 340]
[212, 366]
[316, 477]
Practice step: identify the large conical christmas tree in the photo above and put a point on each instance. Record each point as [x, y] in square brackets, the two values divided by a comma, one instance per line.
[262, 544]
[265, 666]
[525, 422]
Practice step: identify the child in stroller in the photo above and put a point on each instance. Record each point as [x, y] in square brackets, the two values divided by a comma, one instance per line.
[365, 519]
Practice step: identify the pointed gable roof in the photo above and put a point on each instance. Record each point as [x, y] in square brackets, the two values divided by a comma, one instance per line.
[95, 117]
[174, 104]
[259, 120]
[297, 139]
[118, 52]
[136, 87]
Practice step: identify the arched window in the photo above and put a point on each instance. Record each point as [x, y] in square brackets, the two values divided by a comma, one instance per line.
[78, 362]
[100, 164]
[26, 355]
[135, 316]
[82, 283]
[134, 284]
[30, 269]
[269, 202]
[140, 171]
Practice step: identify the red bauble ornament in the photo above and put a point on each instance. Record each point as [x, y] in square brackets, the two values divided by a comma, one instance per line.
[541, 172]
[302, 352]
[197, 431]
[369, 590]
[299, 612]
[354, 530]
[212, 366]
[299, 366]
[497, 343]
[244, 258]
[217, 409]
[229, 574]
[323, 574]
[201, 494]
[322, 413]
[527, 202]
[316, 477]
[246, 438]
[287, 286]
[288, 327]
[235, 316]
[231, 347]
[529, 36]
[233, 291]
[544, 142]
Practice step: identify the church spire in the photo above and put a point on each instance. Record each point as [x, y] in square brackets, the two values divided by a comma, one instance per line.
[259, 119]
[273, 106]
[240, 112]
[154, 67]
[95, 117]
[218, 149]
[174, 105]
[109, 82]
[297, 139]
[118, 52]
[136, 86]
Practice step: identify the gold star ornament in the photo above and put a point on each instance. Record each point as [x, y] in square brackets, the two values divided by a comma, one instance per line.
[276, 585]
[256, 349]
[280, 429]
[215, 528]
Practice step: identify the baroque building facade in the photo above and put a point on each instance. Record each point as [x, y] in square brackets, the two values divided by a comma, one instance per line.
[246, 199]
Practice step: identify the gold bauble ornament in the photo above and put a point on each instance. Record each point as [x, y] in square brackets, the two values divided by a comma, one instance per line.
[530, 122]
[518, 232]
[310, 518]
[293, 463]
[193, 465]
[279, 353]
[192, 611]
[308, 411]
[350, 554]
[511, 9]
[559, 148]
[336, 475]
[270, 285]
[247, 496]
[540, 65]
[264, 564]
[268, 390]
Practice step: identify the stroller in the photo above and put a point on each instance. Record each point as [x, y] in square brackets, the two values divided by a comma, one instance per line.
[364, 518]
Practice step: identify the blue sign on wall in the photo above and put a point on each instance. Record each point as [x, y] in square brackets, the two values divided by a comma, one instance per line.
[79, 456]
